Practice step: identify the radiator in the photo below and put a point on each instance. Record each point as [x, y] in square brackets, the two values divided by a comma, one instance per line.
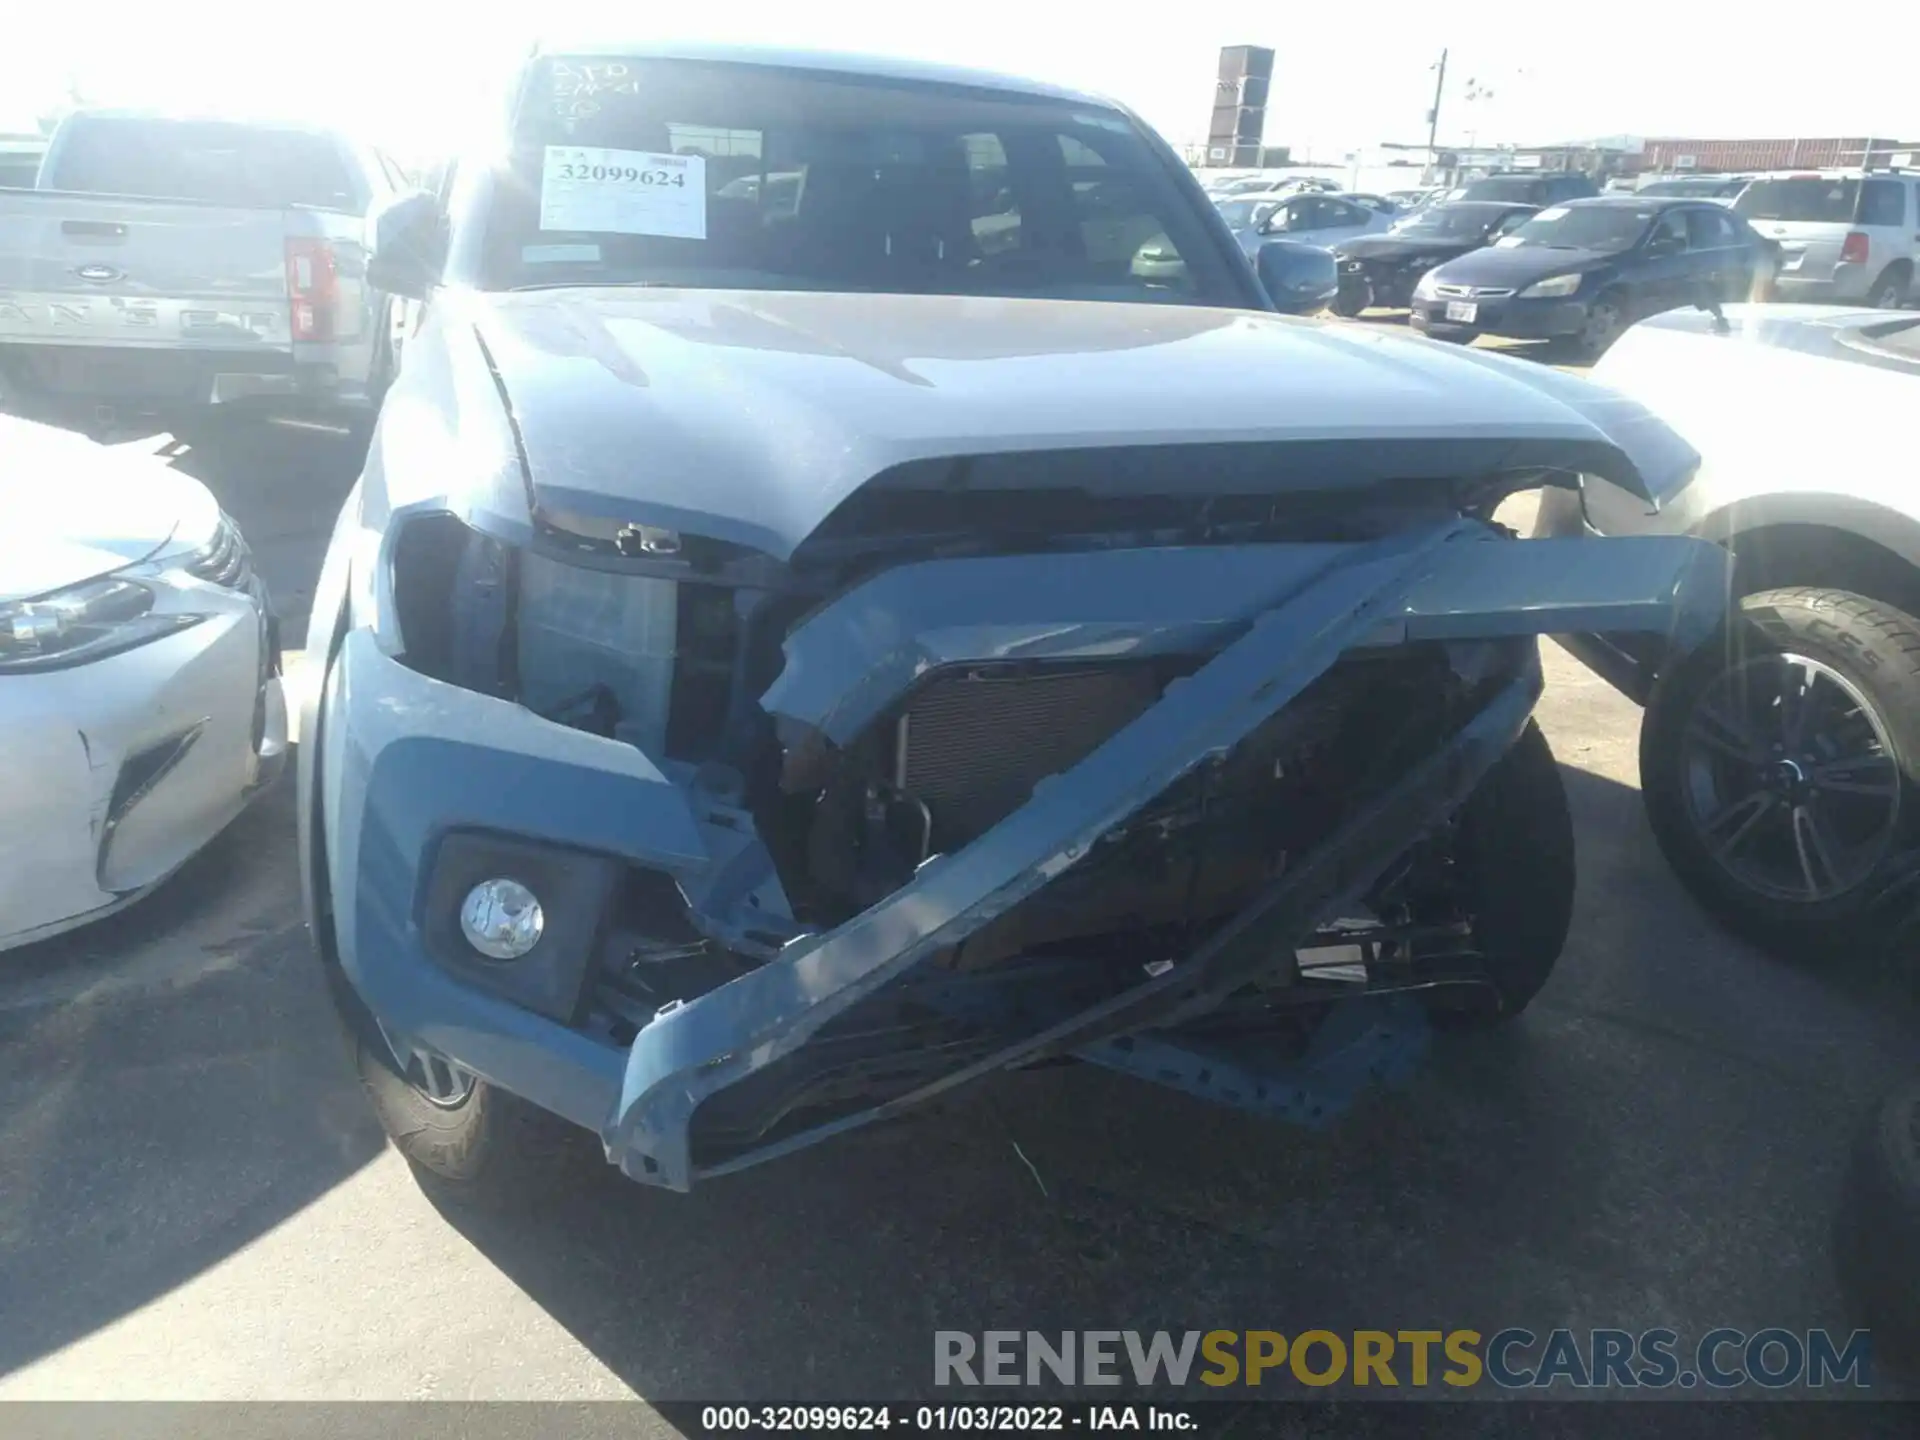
[972, 744]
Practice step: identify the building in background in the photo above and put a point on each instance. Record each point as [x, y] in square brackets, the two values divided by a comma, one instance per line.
[1717, 157]
[1456, 165]
[1237, 129]
[1602, 159]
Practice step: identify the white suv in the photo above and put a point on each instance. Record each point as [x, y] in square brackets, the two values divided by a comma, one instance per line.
[1843, 236]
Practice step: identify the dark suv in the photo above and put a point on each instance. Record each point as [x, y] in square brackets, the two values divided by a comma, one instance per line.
[1530, 189]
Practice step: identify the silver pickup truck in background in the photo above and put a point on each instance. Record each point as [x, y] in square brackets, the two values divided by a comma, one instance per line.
[163, 266]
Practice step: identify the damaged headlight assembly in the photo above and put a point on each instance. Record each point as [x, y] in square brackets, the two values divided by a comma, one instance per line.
[588, 646]
[82, 623]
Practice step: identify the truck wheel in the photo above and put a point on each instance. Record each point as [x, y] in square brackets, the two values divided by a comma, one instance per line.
[1889, 292]
[1513, 873]
[1778, 767]
[457, 1132]
[1877, 1229]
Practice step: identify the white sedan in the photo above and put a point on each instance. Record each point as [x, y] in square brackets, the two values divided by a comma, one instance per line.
[1781, 770]
[140, 701]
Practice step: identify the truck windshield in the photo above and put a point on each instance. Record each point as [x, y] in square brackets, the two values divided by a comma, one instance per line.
[209, 161]
[1809, 197]
[719, 175]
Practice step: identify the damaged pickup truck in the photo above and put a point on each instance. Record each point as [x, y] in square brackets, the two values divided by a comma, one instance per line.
[796, 647]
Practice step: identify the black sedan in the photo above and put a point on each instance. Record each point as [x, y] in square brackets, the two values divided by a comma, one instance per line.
[1584, 271]
[1381, 270]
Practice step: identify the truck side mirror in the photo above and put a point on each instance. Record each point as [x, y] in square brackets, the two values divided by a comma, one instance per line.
[408, 245]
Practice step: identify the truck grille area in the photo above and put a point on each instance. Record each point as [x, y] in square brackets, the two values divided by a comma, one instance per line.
[972, 744]
[1146, 895]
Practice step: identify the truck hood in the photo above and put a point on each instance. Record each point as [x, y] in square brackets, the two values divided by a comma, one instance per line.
[748, 416]
[76, 510]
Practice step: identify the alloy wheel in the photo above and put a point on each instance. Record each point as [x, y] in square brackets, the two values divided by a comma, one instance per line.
[1789, 778]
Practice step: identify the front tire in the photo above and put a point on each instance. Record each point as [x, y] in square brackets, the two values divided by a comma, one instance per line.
[1513, 877]
[445, 1123]
[1889, 292]
[1606, 318]
[1780, 769]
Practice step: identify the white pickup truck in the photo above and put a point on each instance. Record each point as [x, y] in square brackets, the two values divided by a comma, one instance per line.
[164, 266]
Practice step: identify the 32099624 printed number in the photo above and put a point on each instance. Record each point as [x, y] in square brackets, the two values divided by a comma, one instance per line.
[631, 174]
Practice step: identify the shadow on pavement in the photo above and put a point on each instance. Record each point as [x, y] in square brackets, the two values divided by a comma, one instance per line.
[166, 1095]
[1644, 1148]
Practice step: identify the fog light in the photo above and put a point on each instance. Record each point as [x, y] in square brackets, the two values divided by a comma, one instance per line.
[501, 919]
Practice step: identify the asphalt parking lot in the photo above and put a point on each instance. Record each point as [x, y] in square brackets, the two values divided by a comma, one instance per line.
[198, 1203]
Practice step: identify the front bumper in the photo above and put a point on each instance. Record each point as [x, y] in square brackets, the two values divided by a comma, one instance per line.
[1389, 283]
[1507, 315]
[116, 772]
[411, 768]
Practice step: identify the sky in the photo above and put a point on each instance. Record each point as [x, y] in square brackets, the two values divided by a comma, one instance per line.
[413, 73]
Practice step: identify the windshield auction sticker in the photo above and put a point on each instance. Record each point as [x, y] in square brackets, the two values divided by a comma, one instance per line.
[623, 192]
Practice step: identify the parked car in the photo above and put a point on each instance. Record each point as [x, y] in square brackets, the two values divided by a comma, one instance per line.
[1409, 200]
[1385, 204]
[1382, 270]
[1535, 189]
[139, 677]
[1305, 218]
[1244, 184]
[1584, 271]
[775, 669]
[162, 267]
[1843, 237]
[1781, 768]
[1695, 187]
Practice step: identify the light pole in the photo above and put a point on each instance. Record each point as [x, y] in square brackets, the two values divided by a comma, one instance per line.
[1433, 115]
